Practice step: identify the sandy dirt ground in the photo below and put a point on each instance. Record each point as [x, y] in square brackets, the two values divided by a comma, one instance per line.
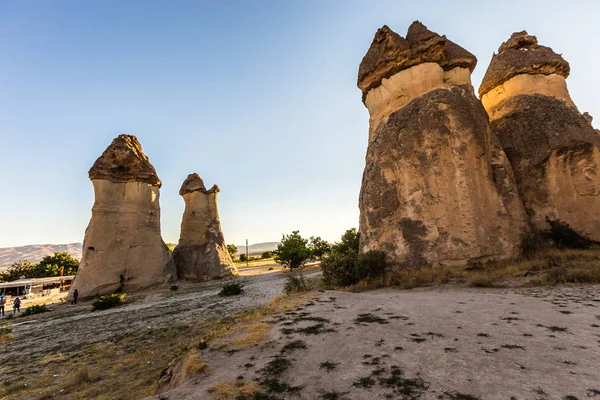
[538, 343]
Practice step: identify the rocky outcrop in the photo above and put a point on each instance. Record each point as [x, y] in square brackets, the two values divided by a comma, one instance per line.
[201, 253]
[553, 148]
[123, 249]
[437, 187]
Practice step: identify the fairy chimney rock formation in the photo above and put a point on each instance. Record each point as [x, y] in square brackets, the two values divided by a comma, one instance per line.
[201, 253]
[437, 188]
[123, 249]
[553, 148]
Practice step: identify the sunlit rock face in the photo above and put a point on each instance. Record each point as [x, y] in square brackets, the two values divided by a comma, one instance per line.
[123, 249]
[437, 188]
[553, 148]
[201, 253]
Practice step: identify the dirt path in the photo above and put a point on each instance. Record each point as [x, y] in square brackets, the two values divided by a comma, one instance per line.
[465, 344]
[69, 327]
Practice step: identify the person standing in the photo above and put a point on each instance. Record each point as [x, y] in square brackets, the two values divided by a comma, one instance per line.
[17, 306]
[75, 296]
[2, 303]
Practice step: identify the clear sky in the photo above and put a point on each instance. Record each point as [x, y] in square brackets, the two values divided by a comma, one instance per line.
[259, 97]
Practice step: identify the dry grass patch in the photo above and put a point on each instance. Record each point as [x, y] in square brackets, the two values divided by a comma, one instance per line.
[545, 267]
[233, 390]
[130, 367]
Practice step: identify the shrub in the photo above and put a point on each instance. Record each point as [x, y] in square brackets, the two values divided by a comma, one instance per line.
[370, 265]
[232, 289]
[35, 309]
[339, 270]
[345, 269]
[174, 287]
[267, 255]
[108, 301]
[243, 257]
[296, 283]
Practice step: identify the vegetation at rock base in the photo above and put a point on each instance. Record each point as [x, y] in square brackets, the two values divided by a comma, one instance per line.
[296, 283]
[61, 263]
[292, 251]
[35, 309]
[345, 267]
[232, 289]
[108, 301]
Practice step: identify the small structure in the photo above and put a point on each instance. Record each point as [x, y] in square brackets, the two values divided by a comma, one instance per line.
[36, 287]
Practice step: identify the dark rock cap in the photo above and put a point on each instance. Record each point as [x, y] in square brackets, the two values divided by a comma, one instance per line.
[390, 53]
[193, 183]
[521, 54]
[124, 161]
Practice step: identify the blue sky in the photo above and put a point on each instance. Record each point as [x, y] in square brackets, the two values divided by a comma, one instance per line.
[259, 97]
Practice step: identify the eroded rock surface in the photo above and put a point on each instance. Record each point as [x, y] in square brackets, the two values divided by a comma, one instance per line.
[437, 187]
[201, 253]
[123, 249]
[553, 148]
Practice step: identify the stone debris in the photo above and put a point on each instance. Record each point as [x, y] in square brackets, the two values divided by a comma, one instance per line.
[201, 253]
[553, 148]
[437, 187]
[123, 249]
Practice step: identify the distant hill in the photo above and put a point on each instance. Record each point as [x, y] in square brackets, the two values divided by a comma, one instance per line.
[35, 252]
[258, 248]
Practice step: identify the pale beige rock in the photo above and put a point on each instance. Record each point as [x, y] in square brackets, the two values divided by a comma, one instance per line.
[201, 253]
[553, 85]
[552, 147]
[399, 89]
[437, 188]
[123, 249]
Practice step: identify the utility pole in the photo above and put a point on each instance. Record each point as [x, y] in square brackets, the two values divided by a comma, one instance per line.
[246, 252]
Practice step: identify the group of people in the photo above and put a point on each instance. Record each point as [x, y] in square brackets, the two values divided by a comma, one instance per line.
[16, 305]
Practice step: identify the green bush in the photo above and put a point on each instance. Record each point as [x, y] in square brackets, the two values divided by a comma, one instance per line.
[5, 331]
[296, 283]
[370, 265]
[108, 301]
[339, 269]
[232, 289]
[345, 269]
[35, 309]
[266, 255]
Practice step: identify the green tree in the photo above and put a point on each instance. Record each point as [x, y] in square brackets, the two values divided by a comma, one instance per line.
[232, 249]
[243, 257]
[319, 247]
[292, 250]
[19, 269]
[266, 255]
[52, 265]
[349, 243]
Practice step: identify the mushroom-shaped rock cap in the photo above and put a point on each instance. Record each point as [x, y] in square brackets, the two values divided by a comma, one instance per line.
[124, 161]
[390, 53]
[521, 54]
[193, 183]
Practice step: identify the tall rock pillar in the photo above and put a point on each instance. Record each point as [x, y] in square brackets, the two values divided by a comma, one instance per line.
[437, 188]
[553, 148]
[123, 249]
[201, 253]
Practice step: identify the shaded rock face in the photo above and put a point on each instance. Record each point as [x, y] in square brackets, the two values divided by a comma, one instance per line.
[437, 188]
[123, 249]
[201, 253]
[553, 148]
